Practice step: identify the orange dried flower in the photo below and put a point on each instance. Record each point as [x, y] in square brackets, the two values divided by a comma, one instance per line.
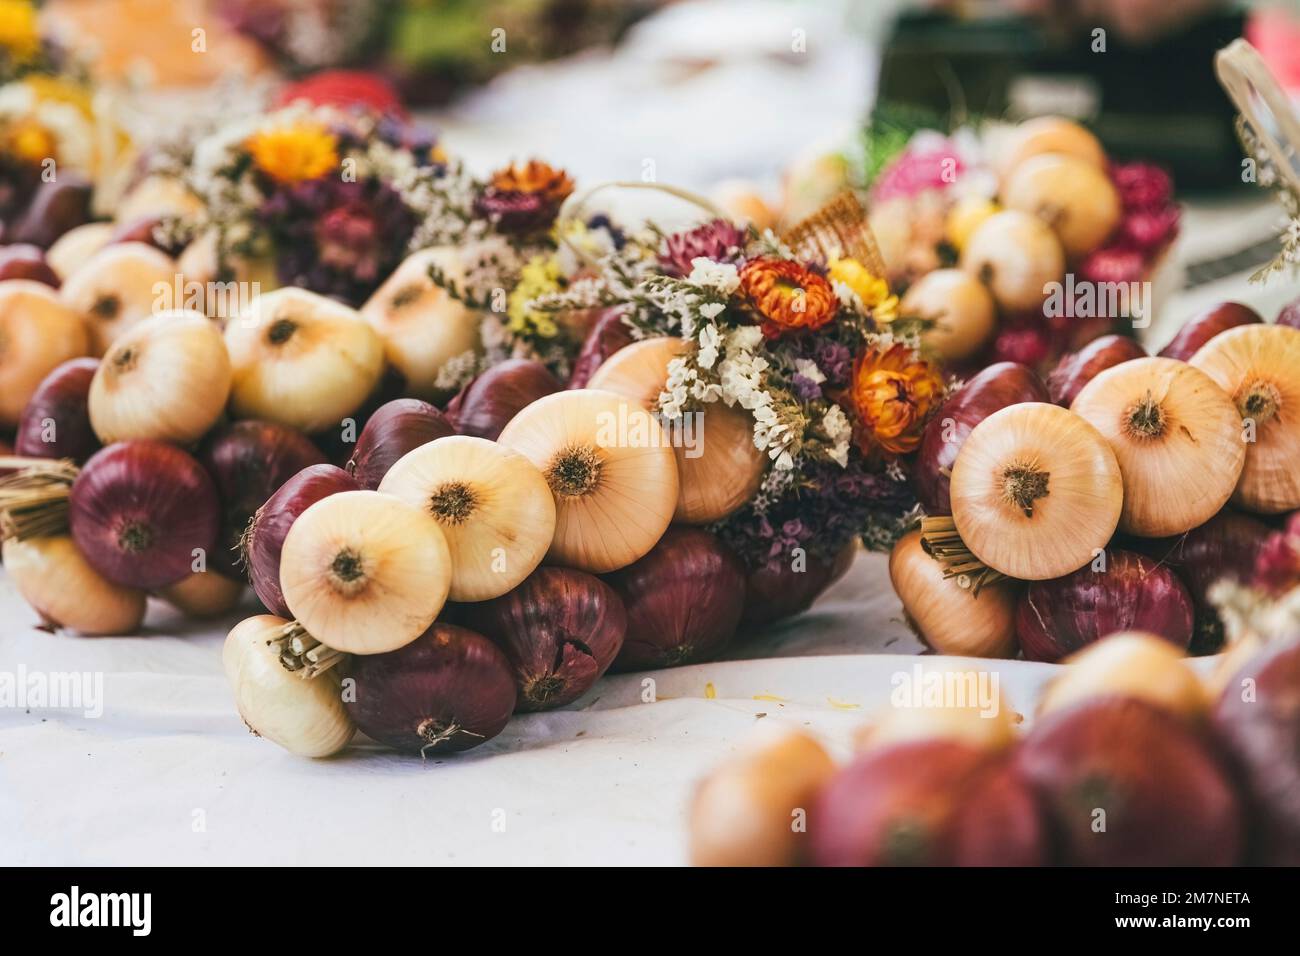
[523, 199]
[787, 295]
[534, 177]
[893, 393]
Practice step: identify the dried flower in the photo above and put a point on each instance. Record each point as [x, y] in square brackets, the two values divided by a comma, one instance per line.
[294, 153]
[1142, 185]
[718, 240]
[787, 295]
[522, 199]
[893, 393]
[20, 35]
[872, 290]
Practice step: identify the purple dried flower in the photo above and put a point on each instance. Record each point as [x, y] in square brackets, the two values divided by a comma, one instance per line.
[805, 388]
[718, 240]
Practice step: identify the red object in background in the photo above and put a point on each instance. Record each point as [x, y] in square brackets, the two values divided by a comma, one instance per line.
[1275, 33]
[345, 88]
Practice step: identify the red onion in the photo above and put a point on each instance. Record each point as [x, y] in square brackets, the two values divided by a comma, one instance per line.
[248, 461]
[58, 411]
[560, 628]
[140, 510]
[1077, 369]
[339, 444]
[683, 599]
[1199, 329]
[448, 690]
[1133, 593]
[1290, 314]
[608, 334]
[484, 406]
[1000, 385]
[143, 229]
[266, 533]
[927, 803]
[395, 428]
[57, 205]
[24, 261]
[1166, 799]
[1262, 731]
[775, 591]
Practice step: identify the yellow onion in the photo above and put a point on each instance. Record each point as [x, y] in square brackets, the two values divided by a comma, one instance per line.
[166, 379]
[305, 716]
[203, 594]
[1176, 437]
[1051, 134]
[77, 246]
[1015, 255]
[1259, 367]
[37, 333]
[1073, 196]
[301, 360]
[66, 591]
[1129, 664]
[495, 509]
[945, 705]
[609, 467]
[723, 470]
[223, 295]
[751, 810]
[1036, 491]
[118, 287]
[947, 617]
[422, 326]
[965, 315]
[365, 572]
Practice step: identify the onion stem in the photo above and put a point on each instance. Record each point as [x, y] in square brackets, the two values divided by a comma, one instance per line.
[574, 471]
[943, 543]
[1023, 484]
[301, 653]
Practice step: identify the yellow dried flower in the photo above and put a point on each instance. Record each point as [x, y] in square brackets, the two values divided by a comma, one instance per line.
[871, 289]
[20, 35]
[540, 275]
[294, 153]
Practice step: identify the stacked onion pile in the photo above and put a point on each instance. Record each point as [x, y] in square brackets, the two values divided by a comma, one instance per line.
[1132, 761]
[1110, 498]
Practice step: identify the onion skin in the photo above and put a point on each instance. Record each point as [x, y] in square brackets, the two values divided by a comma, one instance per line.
[1130, 664]
[449, 690]
[1290, 314]
[395, 428]
[1077, 369]
[248, 461]
[37, 334]
[204, 594]
[62, 587]
[139, 510]
[775, 591]
[271, 523]
[927, 803]
[996, 387]
[561, 630]
[684, 600]
[1262, 734]
[1167, 799]
[62, 397]
[608, 334]
[484, 406]
[23, 261]
[1199, 329]
[1058, 617]
[1015, 254]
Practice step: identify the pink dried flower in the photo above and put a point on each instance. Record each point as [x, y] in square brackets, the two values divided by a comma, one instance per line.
[718, 240]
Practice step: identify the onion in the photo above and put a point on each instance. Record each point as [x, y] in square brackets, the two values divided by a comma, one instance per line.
[198, 265]
[1130, 664]
[1015, 255]
[1036, 491]
[248, 461]
[340, 443]
[1051, 134]
[421, 325]
[1077, 369]
[143, 513]
[1142, 774]
[1290, 314]
[721, 469]
[946, 616]
[494, 507]
[76, 247]
[744, 813]
[1258, 716]
[53, 577]
[560, 628]
[395, 428]
[1073, 196]
[1259, 367]
[608, 334]
[610, 470]
[683, 600]
[302, 360]
[365, 572]
[264, 540]
[116, 289]
[776, 589]
[448, 690]
[22, 261]
[37, 333]
[484, 406]
[305, 717]
[1176, 437]
[994, 388]
[1199, 329]
[54, 206]
[204, 594]
[954, 714]
[1129, 592]
[165, 378]
[56, 421]
[964, 310]
[932, 802]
